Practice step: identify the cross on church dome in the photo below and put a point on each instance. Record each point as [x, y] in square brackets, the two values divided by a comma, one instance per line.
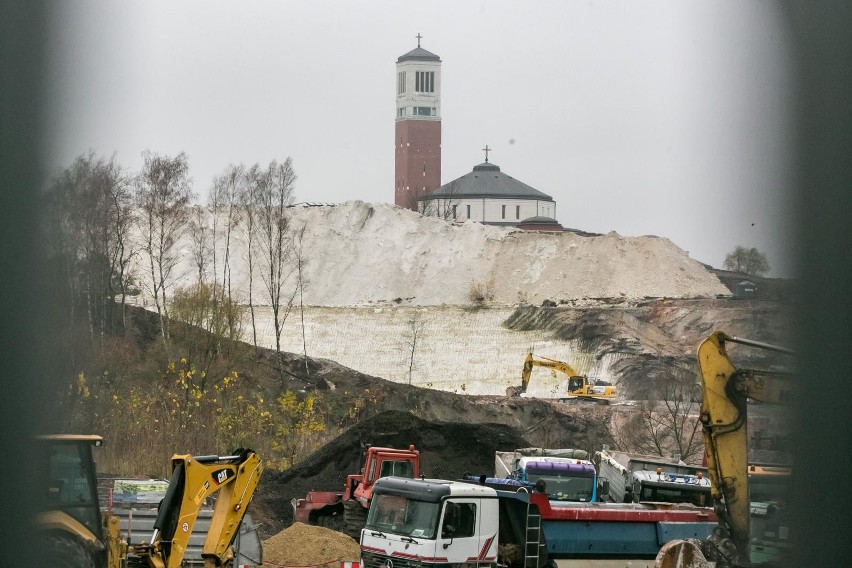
[486, 150]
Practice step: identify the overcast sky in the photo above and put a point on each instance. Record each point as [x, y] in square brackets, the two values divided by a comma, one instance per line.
[669, 118]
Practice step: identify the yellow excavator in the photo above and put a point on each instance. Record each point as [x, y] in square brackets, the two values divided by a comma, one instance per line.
[726, 391]
[579, 386]
[74, 533]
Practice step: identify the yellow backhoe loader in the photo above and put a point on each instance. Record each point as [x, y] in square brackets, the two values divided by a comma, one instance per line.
[75, 533]
[579, 386]
[726, 391]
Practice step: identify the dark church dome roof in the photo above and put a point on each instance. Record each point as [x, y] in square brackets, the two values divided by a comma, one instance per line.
[486, 180]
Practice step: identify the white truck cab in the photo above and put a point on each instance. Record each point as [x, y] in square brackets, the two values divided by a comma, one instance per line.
[415, 522]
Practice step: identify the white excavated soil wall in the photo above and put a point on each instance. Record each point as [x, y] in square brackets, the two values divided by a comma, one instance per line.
[457, 349]
[371, 270]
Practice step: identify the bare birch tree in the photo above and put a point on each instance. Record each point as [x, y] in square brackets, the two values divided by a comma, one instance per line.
[299, 256]
[249, 201]
[200, 235]
[275, 193]
[224, 199]
[164, 195]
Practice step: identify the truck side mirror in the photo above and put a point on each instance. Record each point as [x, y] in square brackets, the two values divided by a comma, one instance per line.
[449, 531]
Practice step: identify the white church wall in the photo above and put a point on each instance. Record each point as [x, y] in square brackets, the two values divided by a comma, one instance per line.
[491, 210]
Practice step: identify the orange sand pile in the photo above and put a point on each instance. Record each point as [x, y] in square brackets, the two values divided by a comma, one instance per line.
[306, 545]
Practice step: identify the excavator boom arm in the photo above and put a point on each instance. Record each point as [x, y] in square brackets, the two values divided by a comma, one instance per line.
[531, 362]
[725, 393]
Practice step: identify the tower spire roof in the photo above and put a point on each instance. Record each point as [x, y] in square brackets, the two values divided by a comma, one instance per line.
[418, 53]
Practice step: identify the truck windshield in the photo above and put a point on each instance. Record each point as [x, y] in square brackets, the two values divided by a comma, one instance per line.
[698, 497]
[395, 514]
[561, 488]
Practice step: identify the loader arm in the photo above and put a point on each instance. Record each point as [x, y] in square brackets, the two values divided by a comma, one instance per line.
[725, 393]
[194, 478]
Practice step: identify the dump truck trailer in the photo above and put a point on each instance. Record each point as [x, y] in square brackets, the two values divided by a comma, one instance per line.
[651, 479]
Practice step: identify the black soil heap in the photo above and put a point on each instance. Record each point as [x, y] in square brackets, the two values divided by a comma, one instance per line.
[447, 450]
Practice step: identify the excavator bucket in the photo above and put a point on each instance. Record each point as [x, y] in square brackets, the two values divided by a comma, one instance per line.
[681, 554]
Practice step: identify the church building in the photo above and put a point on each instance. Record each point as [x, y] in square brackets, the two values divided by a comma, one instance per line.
[489, 196]
[486, 194]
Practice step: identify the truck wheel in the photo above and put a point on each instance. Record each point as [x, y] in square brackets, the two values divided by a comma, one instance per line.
[354, 518]
[61, 550]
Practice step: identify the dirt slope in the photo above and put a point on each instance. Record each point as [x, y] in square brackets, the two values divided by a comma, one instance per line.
[448, 450]
[459, 433]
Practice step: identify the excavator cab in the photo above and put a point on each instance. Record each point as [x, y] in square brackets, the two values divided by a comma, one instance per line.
[69, 516]
[576, 384]
[69, 484]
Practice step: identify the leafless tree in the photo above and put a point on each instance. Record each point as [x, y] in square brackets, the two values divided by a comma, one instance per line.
[164, 195]
[249, 200]
[413, 336]
[275, 193]
[120, 246]
[444, 206]
[299, 256]
[200, 236]
[89, 212]
[223, 201]
[666, 425]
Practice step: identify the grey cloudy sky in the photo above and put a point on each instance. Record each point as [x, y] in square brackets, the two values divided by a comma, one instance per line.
[669, 118]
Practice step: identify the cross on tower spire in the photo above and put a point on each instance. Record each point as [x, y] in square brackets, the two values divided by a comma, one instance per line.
[419, 37]
[486, 150]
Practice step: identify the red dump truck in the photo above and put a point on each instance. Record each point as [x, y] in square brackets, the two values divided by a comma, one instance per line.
[328, 508]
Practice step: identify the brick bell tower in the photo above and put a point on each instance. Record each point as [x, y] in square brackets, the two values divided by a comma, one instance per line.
[418, 126]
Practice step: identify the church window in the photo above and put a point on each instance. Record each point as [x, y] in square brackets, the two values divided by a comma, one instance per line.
[400, 112]
[504, 211]
[400, 83]
[424, 82]
[455, 213]
[517, 211]
[468, 211]
[424, 111]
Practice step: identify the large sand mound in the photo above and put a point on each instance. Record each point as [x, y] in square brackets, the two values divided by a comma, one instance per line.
[359, 253]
